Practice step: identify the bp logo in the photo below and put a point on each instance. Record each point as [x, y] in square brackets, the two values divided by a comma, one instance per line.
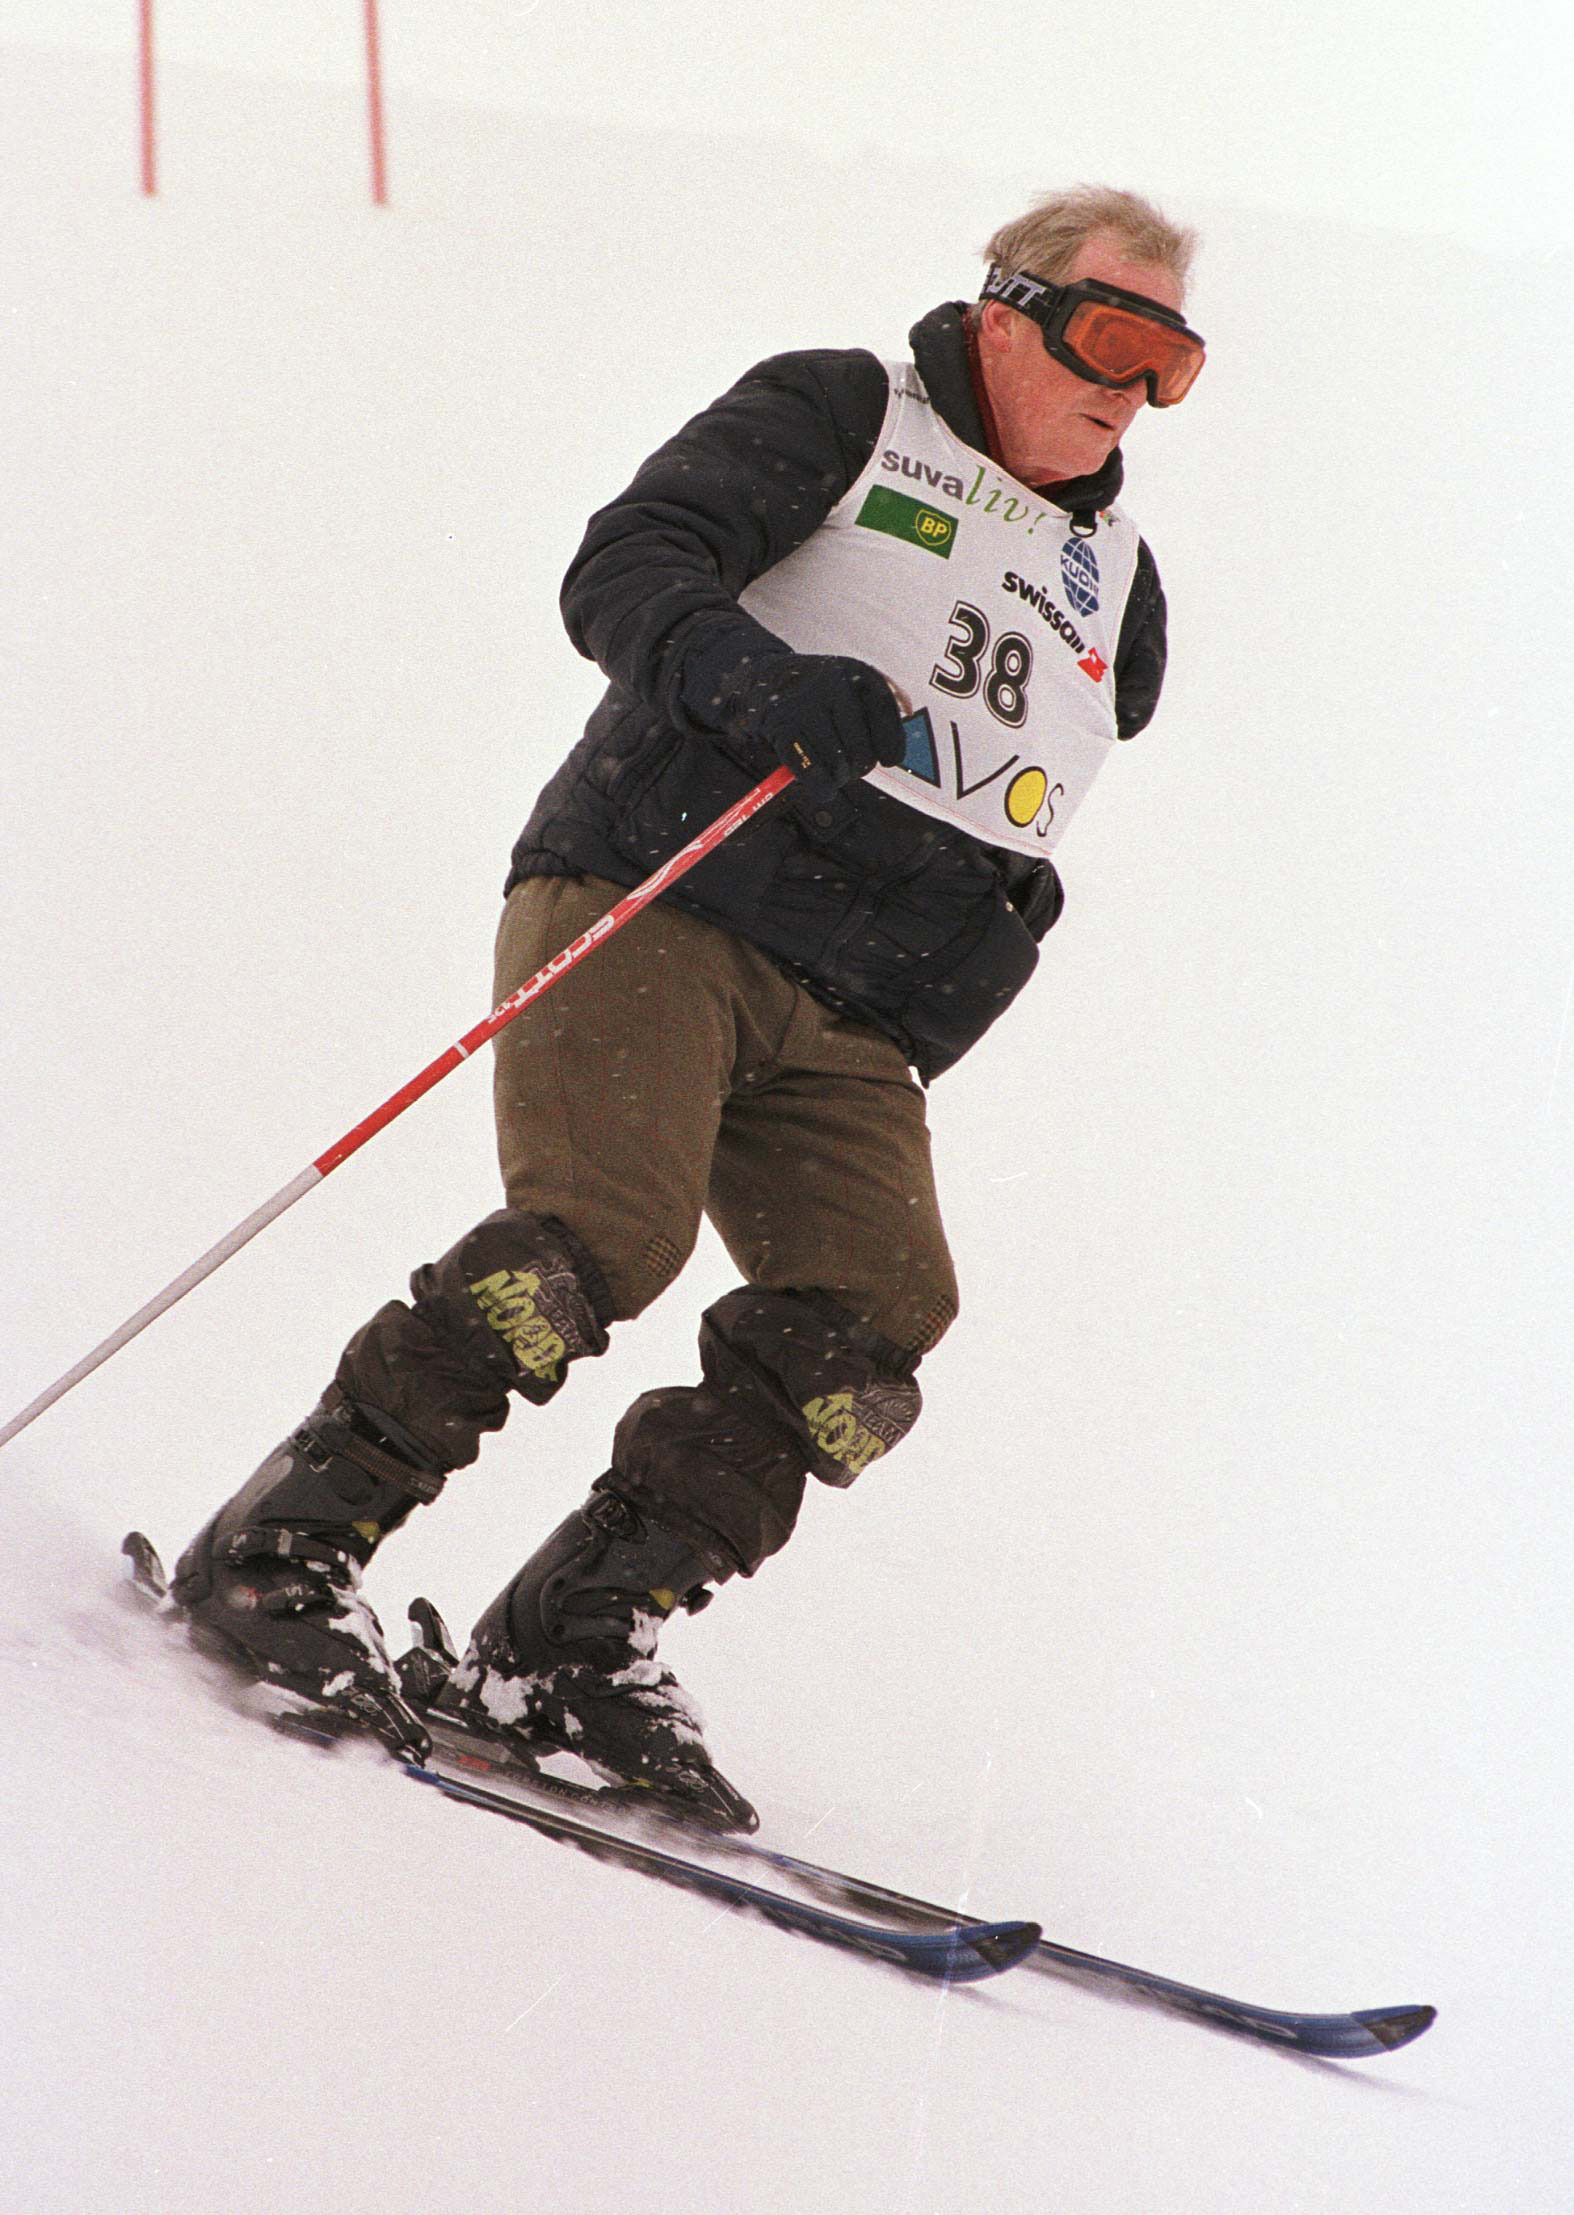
[1079, 569]
[898, 516]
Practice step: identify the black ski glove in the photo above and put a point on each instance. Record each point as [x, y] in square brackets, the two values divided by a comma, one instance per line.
[828, 717]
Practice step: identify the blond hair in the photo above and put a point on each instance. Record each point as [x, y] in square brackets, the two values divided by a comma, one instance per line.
[1047, 240]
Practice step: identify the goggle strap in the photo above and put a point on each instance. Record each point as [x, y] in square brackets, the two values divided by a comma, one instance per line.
[1038, 298]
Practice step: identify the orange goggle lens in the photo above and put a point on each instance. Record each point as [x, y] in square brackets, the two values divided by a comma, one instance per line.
[1120, 346]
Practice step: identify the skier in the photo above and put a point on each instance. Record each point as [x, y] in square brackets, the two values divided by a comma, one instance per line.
[911, 585]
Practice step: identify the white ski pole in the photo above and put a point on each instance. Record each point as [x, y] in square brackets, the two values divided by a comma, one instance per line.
[461, 1050]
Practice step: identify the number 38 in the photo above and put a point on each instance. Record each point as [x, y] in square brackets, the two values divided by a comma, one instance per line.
[1010, 665]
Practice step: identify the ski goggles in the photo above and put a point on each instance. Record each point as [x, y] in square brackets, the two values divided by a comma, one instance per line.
[1104, 333]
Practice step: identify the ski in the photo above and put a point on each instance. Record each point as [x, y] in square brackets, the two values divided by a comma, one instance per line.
[1351, 2034]
[627, 1823]
[481, 1767]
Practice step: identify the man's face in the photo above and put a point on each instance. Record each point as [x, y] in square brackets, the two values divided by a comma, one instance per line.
[1054, 424]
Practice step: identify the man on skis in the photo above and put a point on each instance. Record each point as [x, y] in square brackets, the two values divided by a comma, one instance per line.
[911, 584]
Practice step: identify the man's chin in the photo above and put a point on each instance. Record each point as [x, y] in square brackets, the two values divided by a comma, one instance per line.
[1086, 461]
[1083, 455]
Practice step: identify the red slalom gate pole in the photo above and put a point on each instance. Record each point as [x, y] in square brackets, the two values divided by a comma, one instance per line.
[461, 1050]
[146, 95]
[374, 102]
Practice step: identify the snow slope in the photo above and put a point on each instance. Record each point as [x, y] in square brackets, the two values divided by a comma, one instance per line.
[1216, 1614]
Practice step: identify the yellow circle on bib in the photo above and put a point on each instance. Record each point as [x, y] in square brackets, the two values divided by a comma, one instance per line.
[1025, 796]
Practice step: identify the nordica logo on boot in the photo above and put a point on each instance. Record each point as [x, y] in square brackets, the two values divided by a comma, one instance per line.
[509, 1300]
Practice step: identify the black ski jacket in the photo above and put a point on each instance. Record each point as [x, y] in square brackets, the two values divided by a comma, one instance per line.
[885, 914]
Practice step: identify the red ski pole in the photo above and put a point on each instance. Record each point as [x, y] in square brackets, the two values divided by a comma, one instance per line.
[461, 1050]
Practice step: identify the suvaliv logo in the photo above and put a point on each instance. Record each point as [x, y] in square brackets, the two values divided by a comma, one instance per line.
[1079, 571]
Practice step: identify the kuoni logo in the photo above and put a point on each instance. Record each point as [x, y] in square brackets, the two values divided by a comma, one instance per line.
[1079, 570]
[901, 517]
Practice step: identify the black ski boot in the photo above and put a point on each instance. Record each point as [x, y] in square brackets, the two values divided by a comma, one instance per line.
[565, 1656]
[273, 1581]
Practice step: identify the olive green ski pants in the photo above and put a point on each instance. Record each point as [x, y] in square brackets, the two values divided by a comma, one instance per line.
[678, 1072]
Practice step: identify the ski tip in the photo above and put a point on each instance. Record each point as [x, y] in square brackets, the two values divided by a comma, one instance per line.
[1392, 2027]
[999, 1946]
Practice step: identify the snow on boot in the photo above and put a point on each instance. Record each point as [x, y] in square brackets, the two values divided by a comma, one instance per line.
[565, 1656]
[273, 1581]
